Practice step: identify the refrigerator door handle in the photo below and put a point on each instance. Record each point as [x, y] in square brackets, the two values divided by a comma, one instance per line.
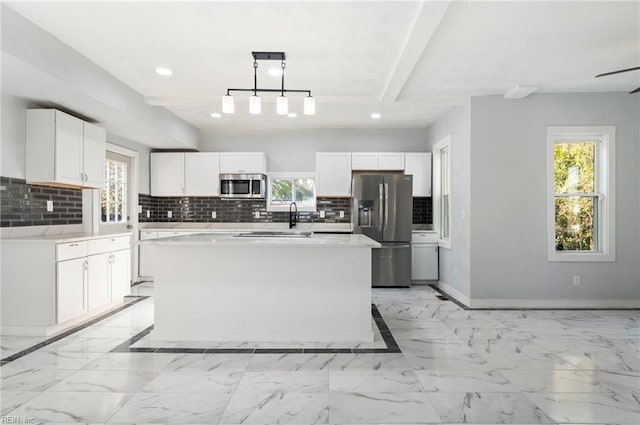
[386, 205]
[380, 205]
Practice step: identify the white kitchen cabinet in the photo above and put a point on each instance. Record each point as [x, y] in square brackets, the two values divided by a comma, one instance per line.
[144, 263]
[73, 280]
[185, 174]
[366, 161]
[243, 163]
[98, 284]
[418, 164]
[424, 256]
[333, 174]
[167, 174]
[202, 174]
[62, 150]
[71, 276]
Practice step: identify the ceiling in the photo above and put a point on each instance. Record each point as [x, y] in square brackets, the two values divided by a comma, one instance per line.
[410, 61]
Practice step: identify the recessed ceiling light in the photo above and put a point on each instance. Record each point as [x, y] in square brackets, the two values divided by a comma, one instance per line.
[292, 115]
[165, 72]
[275, 72]
[375, 115]
[215, 115]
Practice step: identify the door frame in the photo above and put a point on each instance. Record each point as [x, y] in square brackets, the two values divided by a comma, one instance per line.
[91, 204]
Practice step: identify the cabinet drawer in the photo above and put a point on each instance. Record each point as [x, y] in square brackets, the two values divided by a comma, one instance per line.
[97, 246]
[426, 237]
[67, 251]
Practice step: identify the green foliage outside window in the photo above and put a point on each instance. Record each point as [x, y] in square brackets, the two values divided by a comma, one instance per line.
[576, 203]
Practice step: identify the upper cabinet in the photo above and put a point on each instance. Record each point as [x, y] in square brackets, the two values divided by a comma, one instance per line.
[418, 164]
[185, 174]
[333, 174]
[377, 161]
[62, 150]
[243, 163]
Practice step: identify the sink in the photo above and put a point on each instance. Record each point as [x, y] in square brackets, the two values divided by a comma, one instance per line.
[269, 234]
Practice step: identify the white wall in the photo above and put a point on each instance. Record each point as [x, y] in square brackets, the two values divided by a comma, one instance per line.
[12, 146]
[509, 195]
[455, 263]
[294, 150]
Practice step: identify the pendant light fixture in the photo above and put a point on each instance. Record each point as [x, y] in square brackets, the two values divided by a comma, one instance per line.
[282, 103]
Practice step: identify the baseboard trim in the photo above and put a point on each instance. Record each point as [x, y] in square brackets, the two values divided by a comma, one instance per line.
[452, 292]
[554, 303]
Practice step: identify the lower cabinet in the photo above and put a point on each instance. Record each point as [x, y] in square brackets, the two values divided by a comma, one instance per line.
[120, 274]
[71, 288]
[98, 291]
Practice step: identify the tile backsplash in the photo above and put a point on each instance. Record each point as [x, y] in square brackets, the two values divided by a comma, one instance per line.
[23, 204]
[199, 209]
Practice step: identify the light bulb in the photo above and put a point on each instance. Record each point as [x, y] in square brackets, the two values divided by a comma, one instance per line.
[227, 104]
[309, 105]
[376, 115]
[282, 105]
[254, 105]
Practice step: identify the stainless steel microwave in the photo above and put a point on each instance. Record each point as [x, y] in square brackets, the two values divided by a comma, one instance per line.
[243, 186]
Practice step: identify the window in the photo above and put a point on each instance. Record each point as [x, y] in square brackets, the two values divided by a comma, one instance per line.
[113, 198]
[581, 196]
[442, 190]
[285, 188]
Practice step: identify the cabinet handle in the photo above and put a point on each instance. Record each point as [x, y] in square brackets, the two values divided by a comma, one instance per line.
[85, 264]
[73, 244]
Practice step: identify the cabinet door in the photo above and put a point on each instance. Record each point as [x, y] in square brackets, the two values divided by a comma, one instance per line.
[98, 290]
[243, 163]
[202, 174]
[391, 161]
[167, 174]
[364, 161]
[93, 158]
[68, 151]
[418, 164]
[120, 274]
[70, 289]
[424, 262]
[333, 174]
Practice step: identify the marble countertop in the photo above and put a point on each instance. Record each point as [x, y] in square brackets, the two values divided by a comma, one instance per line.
[63, 237]
[230, 227]
[231, 239]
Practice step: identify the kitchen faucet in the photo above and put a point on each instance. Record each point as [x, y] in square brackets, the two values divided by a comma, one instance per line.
[293, 216]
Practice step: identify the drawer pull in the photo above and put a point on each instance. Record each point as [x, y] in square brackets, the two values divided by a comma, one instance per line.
[73, 244]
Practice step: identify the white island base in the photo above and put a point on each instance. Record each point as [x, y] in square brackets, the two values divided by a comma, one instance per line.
[224, 288]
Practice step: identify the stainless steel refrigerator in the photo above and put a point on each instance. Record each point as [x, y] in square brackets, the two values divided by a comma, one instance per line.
[382, 210]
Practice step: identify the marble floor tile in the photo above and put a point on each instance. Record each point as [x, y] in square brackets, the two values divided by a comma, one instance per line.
[374, 381]
[290, 362]
[621, 381]
[589, 408]
[108, 332]
[32, 379]
[172, 408]
[396, 408]
[451, 361]
[14, 344]
[455, 381]
[118, 381]
[209, 362]
[82, 344]
[304, 381]
[373, 361]
[442, 347]
[52, 360]
[277, 408]
[132, 361]
[218, 381]
[72, 406]
[556, 381]
[11, 400]
[508, 408]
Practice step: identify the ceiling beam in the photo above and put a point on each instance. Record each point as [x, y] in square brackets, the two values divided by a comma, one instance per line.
[427, 18]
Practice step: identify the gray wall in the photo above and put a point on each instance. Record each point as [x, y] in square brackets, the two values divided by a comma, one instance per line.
[455, 263]
[509, 195]
[294, 150]
[13, 136]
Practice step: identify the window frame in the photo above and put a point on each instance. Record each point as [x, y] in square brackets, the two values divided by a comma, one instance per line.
[292, 176]
[443, 144]
[604, 191]
[125, 195]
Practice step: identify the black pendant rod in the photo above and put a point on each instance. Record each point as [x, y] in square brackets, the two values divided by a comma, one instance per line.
[282, 65]
[255, 78]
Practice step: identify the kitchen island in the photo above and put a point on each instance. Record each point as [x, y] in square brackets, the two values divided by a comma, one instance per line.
[223, 287]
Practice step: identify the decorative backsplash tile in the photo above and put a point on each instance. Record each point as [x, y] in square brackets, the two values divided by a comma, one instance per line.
[422, 211]
[23, 204]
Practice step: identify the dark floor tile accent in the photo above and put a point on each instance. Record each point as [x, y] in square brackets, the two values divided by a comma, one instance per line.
[133, 300]
[23, 204]
[387, 337]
